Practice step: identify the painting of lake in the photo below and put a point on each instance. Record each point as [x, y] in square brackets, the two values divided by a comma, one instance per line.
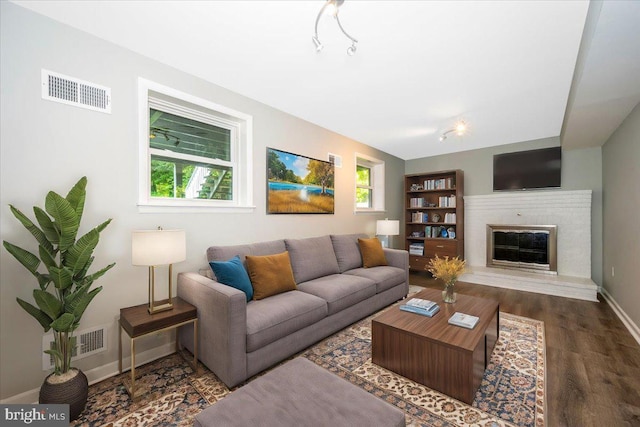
[297, 184]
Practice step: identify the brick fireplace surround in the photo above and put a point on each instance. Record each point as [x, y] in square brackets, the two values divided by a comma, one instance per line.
[570, 211]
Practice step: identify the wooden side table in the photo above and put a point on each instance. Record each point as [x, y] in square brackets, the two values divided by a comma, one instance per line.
[137, 322]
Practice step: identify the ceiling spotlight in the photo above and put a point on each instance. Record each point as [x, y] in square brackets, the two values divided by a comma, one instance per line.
[460, 129]
[333, 6]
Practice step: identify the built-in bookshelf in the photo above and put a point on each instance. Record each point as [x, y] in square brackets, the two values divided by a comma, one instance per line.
[434, 216]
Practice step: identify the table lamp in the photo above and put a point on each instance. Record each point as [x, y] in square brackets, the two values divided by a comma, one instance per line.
[385, 228]
[158, 247]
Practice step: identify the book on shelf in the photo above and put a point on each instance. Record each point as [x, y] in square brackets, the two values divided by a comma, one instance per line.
[416, 202]
[465, 320]
[450, 218]
[416, 249]
[419, 310]
[439, 184]
[436, 230]
[421, 303]
[420, 217]
[447, 201]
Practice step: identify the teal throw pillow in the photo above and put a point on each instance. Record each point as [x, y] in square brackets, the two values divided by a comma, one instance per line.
[232, 273]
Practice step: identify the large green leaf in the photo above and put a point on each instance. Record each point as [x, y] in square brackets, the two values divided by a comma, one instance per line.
[103, 225]
[26, 258]
[65, 218]
[79, 254]
[72, 300]
[48, 303]
[61, 276]
[33, 229]
[55, 353]
[39, 315]
[46, 257]
[80, 305]
[43, 280]
[82, 273]
[77, 195]
[50, 230]
[99, 273]
[63, 323]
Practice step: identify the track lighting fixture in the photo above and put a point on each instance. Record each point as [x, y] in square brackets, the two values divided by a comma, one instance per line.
[333, 6]
[460, 129]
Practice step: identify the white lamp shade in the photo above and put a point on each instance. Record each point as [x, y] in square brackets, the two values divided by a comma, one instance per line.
[158, 247]
[388, 227]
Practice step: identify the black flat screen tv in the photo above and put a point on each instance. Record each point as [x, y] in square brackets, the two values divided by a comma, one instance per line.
[525, 170]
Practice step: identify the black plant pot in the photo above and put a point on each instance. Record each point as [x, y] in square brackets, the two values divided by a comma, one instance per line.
[74, 392]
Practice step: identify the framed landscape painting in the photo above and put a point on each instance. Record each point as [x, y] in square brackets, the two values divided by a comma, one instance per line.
[298, 184]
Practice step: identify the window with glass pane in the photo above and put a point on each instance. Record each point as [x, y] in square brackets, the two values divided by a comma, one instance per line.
[190, 159]
[364, 189]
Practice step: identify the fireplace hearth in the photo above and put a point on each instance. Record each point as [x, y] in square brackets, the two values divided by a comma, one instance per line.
[523, 247]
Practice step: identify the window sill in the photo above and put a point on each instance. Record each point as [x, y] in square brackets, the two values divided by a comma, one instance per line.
[369, 211]
[164, 208]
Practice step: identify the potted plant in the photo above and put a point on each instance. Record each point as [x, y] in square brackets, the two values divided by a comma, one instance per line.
[64, 289]
[448, 270]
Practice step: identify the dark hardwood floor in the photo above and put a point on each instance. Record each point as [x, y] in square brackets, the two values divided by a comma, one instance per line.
[593, 362]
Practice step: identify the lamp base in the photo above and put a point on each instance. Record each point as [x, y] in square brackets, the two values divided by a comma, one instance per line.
[153, 308]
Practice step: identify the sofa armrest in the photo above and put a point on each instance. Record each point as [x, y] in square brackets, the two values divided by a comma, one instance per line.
[222, 326]
[398, 258]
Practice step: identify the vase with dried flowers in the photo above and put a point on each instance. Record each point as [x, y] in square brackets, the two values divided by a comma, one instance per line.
[448, 270]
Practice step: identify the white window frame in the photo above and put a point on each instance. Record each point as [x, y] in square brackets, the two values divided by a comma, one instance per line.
[157, 96]
[377, 169]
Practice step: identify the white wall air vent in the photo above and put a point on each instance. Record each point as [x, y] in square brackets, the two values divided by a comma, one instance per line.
[335, 159]
[69, 90]
[88, 342]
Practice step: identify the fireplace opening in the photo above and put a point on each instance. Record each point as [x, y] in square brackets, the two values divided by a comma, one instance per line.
[525, 247]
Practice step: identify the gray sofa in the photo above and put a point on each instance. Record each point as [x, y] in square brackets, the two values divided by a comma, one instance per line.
[238, 339]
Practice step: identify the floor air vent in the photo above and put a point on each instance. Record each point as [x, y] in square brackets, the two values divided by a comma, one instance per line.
[69, 90]
[88, 342]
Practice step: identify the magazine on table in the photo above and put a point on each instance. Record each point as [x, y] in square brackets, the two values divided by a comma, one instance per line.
[422, 303]
[419, 310]
[465, 320]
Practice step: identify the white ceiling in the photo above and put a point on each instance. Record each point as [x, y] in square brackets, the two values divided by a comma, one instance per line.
[505, 67]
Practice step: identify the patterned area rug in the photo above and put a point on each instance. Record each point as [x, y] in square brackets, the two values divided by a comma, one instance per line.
[511, 394]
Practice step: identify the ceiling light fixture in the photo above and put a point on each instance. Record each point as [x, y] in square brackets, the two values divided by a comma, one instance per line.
[332, 6]
[460, 129]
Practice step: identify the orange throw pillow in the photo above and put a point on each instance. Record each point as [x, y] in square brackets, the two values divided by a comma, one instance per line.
[372, 252]
[270, 274]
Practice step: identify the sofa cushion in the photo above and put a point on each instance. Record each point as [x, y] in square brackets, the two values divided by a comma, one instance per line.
[312, 258]
[275, 317]
[340, 290]
[372, 252]
[221, 253]
[385, 277]
[270, 274]
[232, 273]
[347, 251]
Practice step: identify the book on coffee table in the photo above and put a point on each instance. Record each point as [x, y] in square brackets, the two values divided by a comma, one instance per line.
[421, 303]
[465, 320]
[419, 310]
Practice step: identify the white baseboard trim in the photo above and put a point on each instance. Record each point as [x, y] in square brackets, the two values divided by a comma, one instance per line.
[100, 373]
[631, 326]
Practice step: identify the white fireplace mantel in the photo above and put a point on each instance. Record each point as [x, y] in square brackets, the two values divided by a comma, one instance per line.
[570, 211]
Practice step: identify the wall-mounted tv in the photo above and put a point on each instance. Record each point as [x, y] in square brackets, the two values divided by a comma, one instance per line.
[525, 170]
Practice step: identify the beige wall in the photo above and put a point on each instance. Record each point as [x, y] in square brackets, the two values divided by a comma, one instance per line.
[581, 170]
[48, 146]
[621, 176]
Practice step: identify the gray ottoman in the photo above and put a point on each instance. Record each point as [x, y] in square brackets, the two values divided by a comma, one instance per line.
[299, 393]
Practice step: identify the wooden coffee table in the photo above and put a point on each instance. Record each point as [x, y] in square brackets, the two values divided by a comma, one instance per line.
[429, 351]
